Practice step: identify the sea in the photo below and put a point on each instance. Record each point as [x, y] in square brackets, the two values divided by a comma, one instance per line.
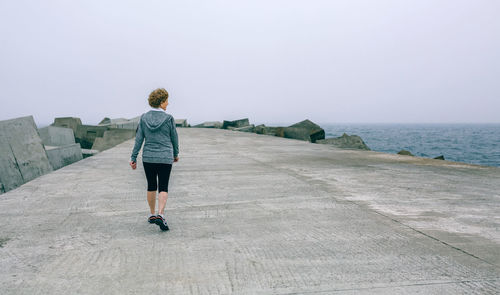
[468, 143]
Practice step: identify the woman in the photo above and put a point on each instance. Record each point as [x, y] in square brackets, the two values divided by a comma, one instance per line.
[161, 149]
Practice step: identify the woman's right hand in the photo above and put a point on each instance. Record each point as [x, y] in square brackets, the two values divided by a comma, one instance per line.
[133, 165]
[176, 159]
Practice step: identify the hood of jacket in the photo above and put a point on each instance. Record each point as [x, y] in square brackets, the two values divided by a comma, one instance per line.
[154, 119]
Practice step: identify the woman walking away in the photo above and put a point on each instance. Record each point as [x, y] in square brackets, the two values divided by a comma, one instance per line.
[161, 149]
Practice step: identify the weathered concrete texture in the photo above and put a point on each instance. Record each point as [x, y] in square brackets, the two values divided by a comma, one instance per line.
[260, 129]
[181, 123]
[304, 130]
[22, 156]
[211, 124]
[127, 124]
[89, 153]
[56, 136]
[249, 128]
[346, 142]
[235, 123]
[111, 138]
[263, 129]
[60, 156]
[253, 214]
[105, 121]
[121, 123]
[67, 122]
[10, 176]
[86, 134]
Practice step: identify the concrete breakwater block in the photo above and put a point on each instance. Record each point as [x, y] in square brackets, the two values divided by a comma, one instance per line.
[346, 142]
[86, 134]
[210, 124]
[235, 124]
[67, 122]
[60, 156]
[111, 138]
[405, 153]
[260, 129]
[120, 123]
[89, 153]
[56, 136]
[263, 129]
[249, 128]
[181, 123]
[22, 155]
[303, 134]
[10, 175]
[304, 130]
[105, 121]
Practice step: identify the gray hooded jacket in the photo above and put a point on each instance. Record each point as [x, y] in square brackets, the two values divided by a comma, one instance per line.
[161, 144]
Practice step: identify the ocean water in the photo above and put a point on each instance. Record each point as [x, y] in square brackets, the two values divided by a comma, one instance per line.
[469, 143]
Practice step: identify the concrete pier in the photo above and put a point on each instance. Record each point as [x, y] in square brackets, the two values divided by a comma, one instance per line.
[256, 214]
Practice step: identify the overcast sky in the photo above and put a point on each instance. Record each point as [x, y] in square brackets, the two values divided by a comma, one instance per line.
[421, 61]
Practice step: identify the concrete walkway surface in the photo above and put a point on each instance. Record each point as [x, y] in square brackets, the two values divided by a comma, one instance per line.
[255, 214]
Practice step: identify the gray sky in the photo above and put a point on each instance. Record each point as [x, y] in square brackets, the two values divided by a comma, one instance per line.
[420, 61]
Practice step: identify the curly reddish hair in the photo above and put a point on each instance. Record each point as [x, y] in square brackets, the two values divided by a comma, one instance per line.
[157, 97]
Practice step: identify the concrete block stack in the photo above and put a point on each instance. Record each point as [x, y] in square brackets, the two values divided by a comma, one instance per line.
[181, 123]
[56, 136]
[235, 123]
[209, 124]
[86, 134]
[60, 146]
[111, 132]
[111, 138]
[120, 123]
[67, 122]
[22, 154]
[60, 156]
[304, 130]
[346, 142]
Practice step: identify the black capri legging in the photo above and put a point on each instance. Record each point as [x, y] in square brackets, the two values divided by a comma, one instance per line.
[160, 171]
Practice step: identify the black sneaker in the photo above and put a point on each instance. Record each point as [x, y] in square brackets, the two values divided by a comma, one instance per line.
[161, 222]
[152, 219]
